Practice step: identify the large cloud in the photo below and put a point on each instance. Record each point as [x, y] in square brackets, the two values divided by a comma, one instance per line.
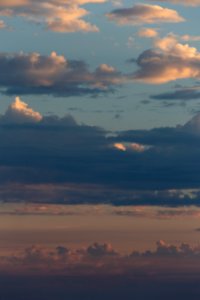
[53, 159]
[57, 15]
[144, 13]
[54, 74]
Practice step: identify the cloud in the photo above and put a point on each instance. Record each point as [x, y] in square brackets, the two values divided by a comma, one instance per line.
[182, 2]
[19, 112]
[147, 33]
[193, 38]
[56, 15]
[100, 250]
[2, 24]
[131, 147]
[168, 61]
[144, 14]
[183, 94]
[56, 160]
[103, 259]
[54, 74]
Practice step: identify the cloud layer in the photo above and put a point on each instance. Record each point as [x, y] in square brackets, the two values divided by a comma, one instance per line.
[59, 161]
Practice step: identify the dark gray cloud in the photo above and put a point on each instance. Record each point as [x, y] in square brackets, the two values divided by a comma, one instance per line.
[183, 94]
[57, 160]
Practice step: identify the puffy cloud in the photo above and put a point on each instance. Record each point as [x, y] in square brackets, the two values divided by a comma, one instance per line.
[53, 74]
[169, 61]
[57, 15]
[147, 33]
[144, 14]
[19, 112]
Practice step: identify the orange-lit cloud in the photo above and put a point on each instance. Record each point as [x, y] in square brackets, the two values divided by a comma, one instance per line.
[131, 147]
[168, 61]
[20, 112]
[147, 33]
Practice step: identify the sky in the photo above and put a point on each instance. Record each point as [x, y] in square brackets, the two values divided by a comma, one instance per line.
[99, 151]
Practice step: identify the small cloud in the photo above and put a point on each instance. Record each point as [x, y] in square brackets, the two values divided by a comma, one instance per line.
[147, 33]
[120, 147]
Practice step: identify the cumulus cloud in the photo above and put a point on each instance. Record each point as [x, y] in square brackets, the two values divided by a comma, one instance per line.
[144, 14]
[183, 94]
[54, 74]
[19, 112]
[57, 15]
[168, 61]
